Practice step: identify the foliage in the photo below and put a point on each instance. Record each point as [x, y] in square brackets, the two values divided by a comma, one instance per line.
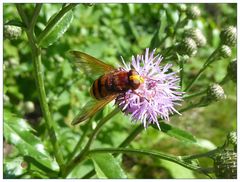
[44, 90]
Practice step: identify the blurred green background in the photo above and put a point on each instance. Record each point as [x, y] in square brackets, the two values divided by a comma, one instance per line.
[108, 31]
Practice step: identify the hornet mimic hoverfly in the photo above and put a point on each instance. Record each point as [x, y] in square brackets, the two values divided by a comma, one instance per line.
[108, 86]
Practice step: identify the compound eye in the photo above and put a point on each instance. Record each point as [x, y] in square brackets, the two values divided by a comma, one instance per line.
[135, 84]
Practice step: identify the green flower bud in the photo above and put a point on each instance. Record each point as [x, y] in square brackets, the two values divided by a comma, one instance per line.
[215, 93]
[229, 36]
[12, 32]
[196, 35]
[188, 46]
[193, 12]
[232, 71]
[181, 7]
[225, 165]
[29, 107]
[225, 51]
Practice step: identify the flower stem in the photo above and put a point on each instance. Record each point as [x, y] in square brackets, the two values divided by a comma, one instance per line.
[79, 144]
[206, 64]
[206, 154]
[125, 143]
[22, 14]
[194, 94]
[224, 80]
[52, 23]
[34, 18]
[38, 71]
[175, 159]
[181, 65]
[80, 157]
[133, 135]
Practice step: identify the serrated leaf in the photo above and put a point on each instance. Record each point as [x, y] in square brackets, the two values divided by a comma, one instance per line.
[176, 132]
[56, 31]
[106, 166]
[18, 132]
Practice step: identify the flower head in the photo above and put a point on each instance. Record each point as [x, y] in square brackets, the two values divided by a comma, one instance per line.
[156, 96]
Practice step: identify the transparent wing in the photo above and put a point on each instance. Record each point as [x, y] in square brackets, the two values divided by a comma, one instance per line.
[91, 108]
[91, 64]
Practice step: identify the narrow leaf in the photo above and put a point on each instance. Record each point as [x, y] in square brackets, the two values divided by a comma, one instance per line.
[163, 24]
[160, 31]
[56, 31]
[177, 171]
[18, 132]
[15, 23]
[106, 166]
[176, 132]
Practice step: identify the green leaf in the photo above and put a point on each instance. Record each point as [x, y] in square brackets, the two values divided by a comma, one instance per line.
[18, 132]
[160, 32]
[16, 23]
[163, 23]
[206, 144]
[12, 168]
[56, 31]
[177, 171]
[106, 166]
[176, 133]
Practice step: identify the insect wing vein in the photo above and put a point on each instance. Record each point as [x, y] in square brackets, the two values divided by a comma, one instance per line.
[90, 64]
[90, 109]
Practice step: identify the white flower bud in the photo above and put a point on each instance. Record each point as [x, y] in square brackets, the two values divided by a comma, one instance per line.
[197, 36]
[232, 137]
[193, 12]
[188, 46]
[215, 93]
[181, 7]
[225, 51]
[12, 32]
[229, 36]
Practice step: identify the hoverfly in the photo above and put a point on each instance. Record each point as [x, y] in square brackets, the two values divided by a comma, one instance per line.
[108, 86]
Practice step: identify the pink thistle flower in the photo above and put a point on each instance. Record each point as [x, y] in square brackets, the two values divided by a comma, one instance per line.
[157, 96]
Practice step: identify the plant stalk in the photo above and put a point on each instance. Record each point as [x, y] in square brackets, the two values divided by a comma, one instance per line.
[38, 71]
[210, 60]
[175, 159]
[133, 135]
[80, 157]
